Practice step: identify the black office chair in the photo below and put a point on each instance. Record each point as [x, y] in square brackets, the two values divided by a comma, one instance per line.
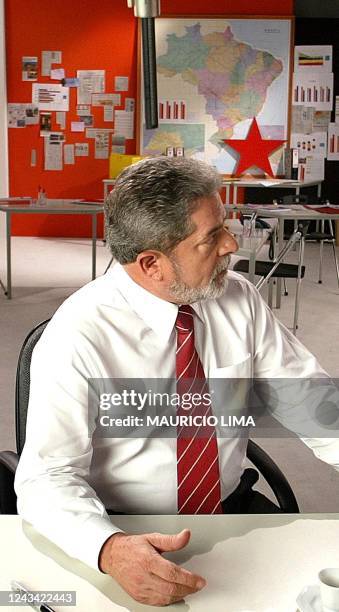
[9, 459]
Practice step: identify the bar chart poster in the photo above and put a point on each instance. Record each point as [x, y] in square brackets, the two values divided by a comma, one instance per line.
[214, 75]
[314, 89]
[315, 58]
[333, 142]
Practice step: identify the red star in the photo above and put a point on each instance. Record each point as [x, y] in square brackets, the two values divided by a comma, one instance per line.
[254, 151]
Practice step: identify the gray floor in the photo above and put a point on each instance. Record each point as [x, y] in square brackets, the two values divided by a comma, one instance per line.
[46, 271]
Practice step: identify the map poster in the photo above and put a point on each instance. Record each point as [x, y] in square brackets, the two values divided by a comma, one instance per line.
[214, 75]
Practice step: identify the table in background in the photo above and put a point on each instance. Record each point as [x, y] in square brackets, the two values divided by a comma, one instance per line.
[256, 563]
[52, 207]
[290, 212]
[267, 184]
[250, 246]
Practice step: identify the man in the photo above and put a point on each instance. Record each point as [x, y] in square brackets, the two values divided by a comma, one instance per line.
[166, 230]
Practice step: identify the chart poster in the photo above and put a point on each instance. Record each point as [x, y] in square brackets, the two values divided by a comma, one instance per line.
[225, 72]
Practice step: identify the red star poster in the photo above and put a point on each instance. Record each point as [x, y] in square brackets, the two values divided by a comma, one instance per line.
[254, 151]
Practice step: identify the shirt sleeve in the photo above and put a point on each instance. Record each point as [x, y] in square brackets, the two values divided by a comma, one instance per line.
[298, 391]
[51, 482]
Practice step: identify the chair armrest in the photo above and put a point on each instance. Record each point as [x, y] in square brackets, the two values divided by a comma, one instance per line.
[10, 460]
[8, 464]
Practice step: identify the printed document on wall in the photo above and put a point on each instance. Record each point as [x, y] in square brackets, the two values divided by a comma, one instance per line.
[20, 115]
[90, 81]
[313, 89]
[50, 97]
[333, 142]
[53, 151]
[124, 123]
[311, 145]
[315, 58]
[47, 59]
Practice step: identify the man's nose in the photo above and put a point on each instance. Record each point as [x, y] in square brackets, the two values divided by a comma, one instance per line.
[228, 244]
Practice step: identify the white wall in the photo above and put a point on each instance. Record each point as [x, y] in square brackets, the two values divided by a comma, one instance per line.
[3, 108]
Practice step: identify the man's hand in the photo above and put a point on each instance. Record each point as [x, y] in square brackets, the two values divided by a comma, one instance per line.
[137, 565]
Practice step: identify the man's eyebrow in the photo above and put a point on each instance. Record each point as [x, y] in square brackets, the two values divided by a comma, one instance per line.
[216, 227]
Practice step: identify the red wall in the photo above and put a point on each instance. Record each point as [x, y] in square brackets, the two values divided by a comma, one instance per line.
[91, 35]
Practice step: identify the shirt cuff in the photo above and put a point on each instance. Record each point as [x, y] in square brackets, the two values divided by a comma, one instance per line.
[91, 537]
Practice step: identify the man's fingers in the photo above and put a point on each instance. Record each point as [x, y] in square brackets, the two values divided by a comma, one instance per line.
[175, 574]
[167, 543]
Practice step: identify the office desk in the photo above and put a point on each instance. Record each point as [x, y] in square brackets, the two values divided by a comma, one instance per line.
[290, 212]
[252, 563]
[52, 207]
[297, 186]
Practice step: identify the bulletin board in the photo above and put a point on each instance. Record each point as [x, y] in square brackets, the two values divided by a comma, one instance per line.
[214, 76]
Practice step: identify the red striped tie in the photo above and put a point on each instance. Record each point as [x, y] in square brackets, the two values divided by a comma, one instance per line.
[197, 449]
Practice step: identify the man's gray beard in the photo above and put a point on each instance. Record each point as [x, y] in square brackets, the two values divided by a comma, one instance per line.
[184, 294]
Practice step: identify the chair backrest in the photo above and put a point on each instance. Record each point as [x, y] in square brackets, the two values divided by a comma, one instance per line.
[22, 385]
[262, 461]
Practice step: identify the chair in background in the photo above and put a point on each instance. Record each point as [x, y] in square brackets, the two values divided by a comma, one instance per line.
[9, 459]
[316, 236]
[275, 269]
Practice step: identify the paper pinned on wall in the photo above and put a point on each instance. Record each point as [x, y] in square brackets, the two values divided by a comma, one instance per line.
[124, 123]
[20, 115]
[83, 109]
[77, 126]
[129, 104]
[29, 68]
[69, 154]
[315, 58]
[53, 149]
[47, 59]
[61, 119]
[321, 120]
[90, 81]
[314, 144]
[302, 119]
[333, 142]
[81, 149]
[92, 132]
[50, 97]
[337, 109]
[101, 144]
[313, 89]
[57, 74]
[71, 82]
[45, 123]
[106, 99]
[121, 83]
[109, 113]
[118, 144]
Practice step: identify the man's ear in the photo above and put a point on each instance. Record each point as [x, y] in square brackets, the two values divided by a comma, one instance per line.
[150, 264]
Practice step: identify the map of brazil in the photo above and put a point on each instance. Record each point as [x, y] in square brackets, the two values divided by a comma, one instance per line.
[220, 73]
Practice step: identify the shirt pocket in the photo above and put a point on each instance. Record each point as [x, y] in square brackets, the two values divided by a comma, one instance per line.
[243, 368]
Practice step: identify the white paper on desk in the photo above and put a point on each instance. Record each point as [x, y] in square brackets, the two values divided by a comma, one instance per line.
[53, 153]
[124, 123]
[81, 149]
[69, 154]
[315, 58]
[58, 74]
[77, 126]
[333, 142]
[314, 144]
[313, 89]
[47, 59]
[90, 81]
[50, 97]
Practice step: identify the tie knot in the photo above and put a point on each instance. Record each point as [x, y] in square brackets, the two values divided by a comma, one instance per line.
[185, 318]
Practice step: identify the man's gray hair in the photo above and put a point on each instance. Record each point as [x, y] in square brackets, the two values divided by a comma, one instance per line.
[151, 204]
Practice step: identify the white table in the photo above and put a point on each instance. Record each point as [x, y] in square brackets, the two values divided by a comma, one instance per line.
[52, 207]
[252, 563]
[297, 186]
[290, 212]
[249, 247]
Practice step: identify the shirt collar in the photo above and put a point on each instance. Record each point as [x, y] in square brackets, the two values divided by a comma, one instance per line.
[157, 313]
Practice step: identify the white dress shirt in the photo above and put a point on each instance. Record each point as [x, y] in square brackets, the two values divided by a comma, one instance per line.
[113, 328]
